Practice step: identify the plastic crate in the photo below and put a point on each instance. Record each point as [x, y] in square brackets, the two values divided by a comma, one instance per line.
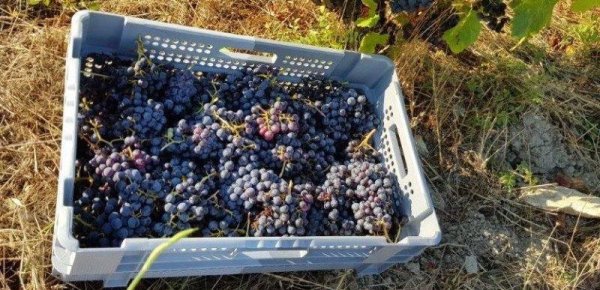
[205, 50]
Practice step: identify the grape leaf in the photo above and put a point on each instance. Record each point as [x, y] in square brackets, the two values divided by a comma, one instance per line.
[371, 40]
[514, 3]
[464, 33]
[370, 3]
[368, 22]
[584, 5]
[33, 2]
[531, 16]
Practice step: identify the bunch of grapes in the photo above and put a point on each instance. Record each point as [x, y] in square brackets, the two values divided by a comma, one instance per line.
[144, 120]
[493, 12]
[273, 121]
[409, 5]
[181, 90]
[187, 202]
[244, 154]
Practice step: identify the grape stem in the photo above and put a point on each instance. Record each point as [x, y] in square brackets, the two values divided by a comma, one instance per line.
[156, 253]
[81, 221]
[95, 74]
[365, 143]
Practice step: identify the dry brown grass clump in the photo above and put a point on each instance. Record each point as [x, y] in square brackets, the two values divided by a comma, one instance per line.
[31, 73]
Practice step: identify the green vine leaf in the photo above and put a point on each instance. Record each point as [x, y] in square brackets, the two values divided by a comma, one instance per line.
[367, 22]
[514, 3]
[531, 16]
[371, 4]
[584, 5]
[37, 2]
[370, 41]
[464, 33]
[372, 18]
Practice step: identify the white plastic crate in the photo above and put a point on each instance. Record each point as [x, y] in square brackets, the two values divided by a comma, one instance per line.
[204, 50]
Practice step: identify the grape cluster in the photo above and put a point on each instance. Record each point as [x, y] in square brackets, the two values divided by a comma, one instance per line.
[493, 12]
[409, 5]
[181, 89]
[145, 120]
[162, 149]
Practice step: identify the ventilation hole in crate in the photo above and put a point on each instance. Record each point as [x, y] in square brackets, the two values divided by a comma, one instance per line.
[412, 191]
[405, 187]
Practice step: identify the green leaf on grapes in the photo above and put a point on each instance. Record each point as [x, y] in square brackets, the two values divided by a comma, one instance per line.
[584, 5]
[464, 33]
[33, 2]
[370, 41]
[531, 16]
[368, 22]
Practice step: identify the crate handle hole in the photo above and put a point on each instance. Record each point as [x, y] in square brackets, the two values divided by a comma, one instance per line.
[247, 54]
[397, 151]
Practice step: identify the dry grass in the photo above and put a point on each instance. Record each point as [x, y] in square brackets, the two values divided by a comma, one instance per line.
[460, 106]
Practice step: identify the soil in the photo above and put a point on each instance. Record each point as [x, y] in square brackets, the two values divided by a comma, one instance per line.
[542, 145]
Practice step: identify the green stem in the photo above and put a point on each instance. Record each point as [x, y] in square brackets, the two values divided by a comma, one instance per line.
[156, 253]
